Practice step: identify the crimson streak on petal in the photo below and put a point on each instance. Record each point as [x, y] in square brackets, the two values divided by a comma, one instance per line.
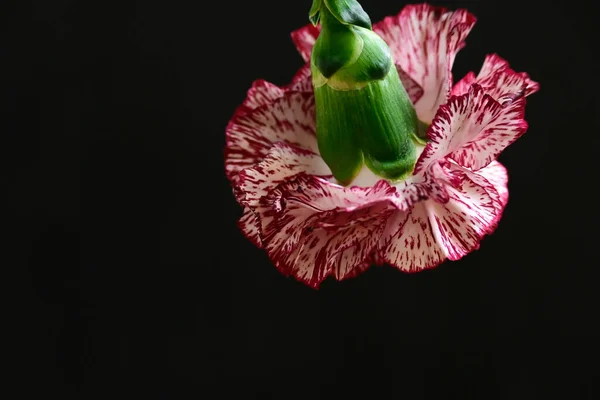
[250, 135]
[282, 163]
[424, 41]
[305, 38]
[262, 93]
[431, 231]
[498, 80]
[313, 228]
[249, 224]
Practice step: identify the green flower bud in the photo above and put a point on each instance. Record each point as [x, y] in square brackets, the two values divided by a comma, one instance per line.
[363, 113]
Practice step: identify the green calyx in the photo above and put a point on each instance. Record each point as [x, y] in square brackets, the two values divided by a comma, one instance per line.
[363, 113]
[348, 12]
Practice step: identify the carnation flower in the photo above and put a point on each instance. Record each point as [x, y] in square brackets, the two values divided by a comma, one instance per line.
[372, 155]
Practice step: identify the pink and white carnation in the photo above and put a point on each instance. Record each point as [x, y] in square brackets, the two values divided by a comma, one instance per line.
[311, 227]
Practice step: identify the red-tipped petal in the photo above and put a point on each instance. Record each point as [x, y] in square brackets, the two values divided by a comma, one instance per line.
[462, 87]
[472, 129]
[313, 228]
[431, 232]
[304, 39]
[498, 80]
[260, 94]
[492, 178]
[250, 136]
[424, 41]
[302, 81]
[415, 92]
[496, 174]
[250, 226]
[500, 132]
[428, 184]
[282, 163]
[410, 243]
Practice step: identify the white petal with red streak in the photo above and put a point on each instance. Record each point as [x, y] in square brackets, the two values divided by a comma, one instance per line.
[498, 134]
[260, 94]
[250, 136]
[424, 41]
[282, 163]
[409, 241]
[302, 81]
[431, 232]
[429, 184]
[313, 228]
[415, 92]
[472, 129]
[462, 87]
[498, 80]
[496, 174]
[305, 38]
[492, 178]
[250, 226]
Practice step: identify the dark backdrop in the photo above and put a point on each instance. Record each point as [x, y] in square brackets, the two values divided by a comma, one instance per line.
[138, 283]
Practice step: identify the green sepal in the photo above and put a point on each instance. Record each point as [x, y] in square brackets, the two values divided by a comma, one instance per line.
[339, 148]
[415, 137]
[336, 46]
[363, 113]
[390, 122]
[373, 63]
[421, 133]
[314, 13]
[375, 124]
[349, 12]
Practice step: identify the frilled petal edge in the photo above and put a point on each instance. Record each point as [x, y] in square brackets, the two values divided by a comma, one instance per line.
[304, 39]
[498, 79]
[424, 41]
[473, 129]
[312, 228]
[251, 134]
[424, 236]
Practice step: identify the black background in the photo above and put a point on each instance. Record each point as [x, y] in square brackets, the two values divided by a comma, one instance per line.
[138, 283]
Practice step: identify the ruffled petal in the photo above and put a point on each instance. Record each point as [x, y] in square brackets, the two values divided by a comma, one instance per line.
[410, 243]
[313, 228]
[249, 224]
[354, 235]
[472, 129]
[493, 179]
[424, 41]
[496, 174]
[260, 94]
[429, 184]
[431, 232]
[282, 163]
[250, 136]
[498, 80]
[305, 38]
[302, 81]
[462, 87]
[506, 126]
[414, 91]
